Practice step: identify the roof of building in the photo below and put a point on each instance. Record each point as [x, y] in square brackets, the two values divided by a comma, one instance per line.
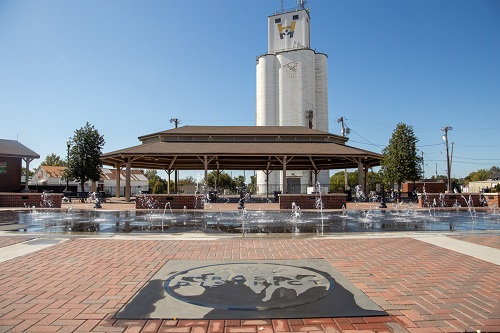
[495, 176]
[13, 148]
[211, 131]
[242, 148]
[135, 174]
[53, 171]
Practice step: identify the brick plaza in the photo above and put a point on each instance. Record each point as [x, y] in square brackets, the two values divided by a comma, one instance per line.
[78, 283]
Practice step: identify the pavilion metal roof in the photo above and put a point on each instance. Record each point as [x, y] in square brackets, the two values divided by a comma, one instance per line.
[242, 148]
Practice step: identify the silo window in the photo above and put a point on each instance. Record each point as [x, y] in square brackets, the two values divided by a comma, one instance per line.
[278, 20]
[295, 17]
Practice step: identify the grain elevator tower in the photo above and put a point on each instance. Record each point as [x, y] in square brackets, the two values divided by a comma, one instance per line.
[292, 88]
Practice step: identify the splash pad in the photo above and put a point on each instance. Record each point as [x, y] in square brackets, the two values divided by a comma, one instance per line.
[294, 221]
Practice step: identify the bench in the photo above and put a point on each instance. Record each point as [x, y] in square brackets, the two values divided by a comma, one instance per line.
[75, 195]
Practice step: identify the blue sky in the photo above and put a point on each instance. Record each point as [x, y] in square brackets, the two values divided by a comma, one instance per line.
[128, 67]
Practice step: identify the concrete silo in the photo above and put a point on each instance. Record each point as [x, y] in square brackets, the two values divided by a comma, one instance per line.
[292, 89]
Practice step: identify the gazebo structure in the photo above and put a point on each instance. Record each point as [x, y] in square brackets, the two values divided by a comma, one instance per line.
[264, 148]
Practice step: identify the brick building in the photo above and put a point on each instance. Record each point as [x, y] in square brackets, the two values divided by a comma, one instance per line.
[12, 154]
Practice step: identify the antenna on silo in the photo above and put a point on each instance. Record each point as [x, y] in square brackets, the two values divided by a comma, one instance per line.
[301, 4]
[282, 6]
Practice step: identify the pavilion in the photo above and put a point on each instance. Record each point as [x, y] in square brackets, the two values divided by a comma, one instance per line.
[265, 148]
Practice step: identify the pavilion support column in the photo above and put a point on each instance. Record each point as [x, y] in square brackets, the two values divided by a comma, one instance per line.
[217, 180]
[118, 176]
[360, 172]
[26, 177]
[169, 173]
[284, 176]
[315, 177]
[365, 183]
[127, 179]
[205, 162]
[267, 172]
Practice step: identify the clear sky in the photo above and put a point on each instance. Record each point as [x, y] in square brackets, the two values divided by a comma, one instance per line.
[128, 67]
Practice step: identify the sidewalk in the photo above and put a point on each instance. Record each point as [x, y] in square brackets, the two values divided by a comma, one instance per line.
[427, 282]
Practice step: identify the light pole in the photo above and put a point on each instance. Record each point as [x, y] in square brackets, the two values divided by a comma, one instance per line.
[176, 121]
[344, 132]
[448, 165]
[68, 144]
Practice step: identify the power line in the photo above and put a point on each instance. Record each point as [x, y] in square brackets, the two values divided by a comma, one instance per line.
[366, 139]
[481, 146]
[478, 159]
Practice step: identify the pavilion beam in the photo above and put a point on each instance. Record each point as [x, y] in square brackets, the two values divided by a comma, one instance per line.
[205, 160]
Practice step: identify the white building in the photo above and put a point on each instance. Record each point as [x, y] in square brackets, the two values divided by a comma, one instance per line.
[292, 88]
[49, 177]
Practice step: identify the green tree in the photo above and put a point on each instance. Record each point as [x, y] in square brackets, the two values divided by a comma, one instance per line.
[189, 180]
[479, 175]
[160, 186]
[84, 163]
[337, 181]
[252, 187]
[152, 176]
[225, 181]
[400, 161]
[53, 160]
[239, 181]
[494, 169]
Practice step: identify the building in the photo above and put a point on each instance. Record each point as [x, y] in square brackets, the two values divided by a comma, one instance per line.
[12, 153]
[292, 87]
[224, 148]
[51, 178]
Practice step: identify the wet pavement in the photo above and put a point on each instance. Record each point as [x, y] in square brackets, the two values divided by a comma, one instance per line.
[425, 282]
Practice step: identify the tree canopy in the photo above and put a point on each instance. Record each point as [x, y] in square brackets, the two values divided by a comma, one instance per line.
[84, 163]
[400, 161]
[53, 160]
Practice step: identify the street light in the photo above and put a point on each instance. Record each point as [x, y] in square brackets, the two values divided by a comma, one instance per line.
[68, 144]
[448, 164]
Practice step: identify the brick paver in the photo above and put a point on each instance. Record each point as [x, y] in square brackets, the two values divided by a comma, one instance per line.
[485, 240]
[8, 241]
[80, 284]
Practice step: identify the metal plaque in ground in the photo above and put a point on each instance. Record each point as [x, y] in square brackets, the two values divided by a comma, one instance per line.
[254, 289]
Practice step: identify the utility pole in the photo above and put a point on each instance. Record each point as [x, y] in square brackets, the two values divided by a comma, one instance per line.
[309, 117]
[176, 174]
[423, 167]
[448, 164]
[344, 131]
[175, 121]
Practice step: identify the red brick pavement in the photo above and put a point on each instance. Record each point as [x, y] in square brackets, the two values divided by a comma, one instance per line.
[78, 285]
[485, 240]
[8, 241]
